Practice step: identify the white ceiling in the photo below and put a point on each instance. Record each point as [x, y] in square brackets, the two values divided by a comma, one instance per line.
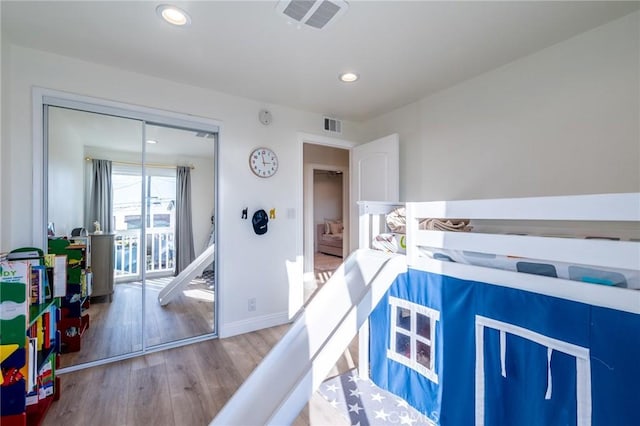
[402, 50]
[124, 135]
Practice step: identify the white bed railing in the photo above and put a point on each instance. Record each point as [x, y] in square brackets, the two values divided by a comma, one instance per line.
[621, 209]
[371, 222]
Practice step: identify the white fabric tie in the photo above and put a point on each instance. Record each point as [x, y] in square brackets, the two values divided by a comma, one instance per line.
[503, 352]
[549, 380]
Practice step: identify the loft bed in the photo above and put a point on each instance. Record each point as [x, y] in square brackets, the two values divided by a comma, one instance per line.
[550, 337]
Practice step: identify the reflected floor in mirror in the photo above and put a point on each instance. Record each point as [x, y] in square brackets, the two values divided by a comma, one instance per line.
[115, 328]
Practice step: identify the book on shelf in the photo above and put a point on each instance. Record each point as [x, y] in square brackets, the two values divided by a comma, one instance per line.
[32, 368]
[39, 285]
[60, 276]
[15, 271]
[15, 279]
[46, 333]
[49, 260]
[45, 380]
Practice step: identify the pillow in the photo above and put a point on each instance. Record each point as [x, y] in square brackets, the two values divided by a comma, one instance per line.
[396, 220]
[336, 228]
[327, 225]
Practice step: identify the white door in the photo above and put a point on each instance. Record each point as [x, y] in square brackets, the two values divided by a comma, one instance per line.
[375, 176]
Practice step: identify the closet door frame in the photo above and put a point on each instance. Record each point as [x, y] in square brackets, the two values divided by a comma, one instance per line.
[43, 98]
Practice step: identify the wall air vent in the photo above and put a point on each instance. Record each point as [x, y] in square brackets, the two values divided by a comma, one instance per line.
[332, 125]
[313, 13]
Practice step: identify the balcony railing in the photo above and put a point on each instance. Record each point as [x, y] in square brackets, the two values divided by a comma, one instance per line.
[159, 257]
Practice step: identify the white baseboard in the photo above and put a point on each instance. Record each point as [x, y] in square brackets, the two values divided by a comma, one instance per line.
[252, 324]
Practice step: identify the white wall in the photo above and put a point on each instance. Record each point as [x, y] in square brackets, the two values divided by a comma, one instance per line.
[565, 120]
[327, 197]
[4, 100]
[249, 265]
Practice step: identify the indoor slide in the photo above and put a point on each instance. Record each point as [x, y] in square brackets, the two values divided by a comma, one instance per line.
[301, 360]
[195, 269]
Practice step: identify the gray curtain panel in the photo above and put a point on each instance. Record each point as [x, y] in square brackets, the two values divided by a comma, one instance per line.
[184, 228]
[101, 204]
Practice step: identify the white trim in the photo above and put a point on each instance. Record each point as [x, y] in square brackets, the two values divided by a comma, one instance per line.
[248, 325]
[583, 365]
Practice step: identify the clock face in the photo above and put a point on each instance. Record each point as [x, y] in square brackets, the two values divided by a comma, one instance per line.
[263, 162]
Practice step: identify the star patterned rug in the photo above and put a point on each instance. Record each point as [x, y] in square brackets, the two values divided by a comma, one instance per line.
[363, 403]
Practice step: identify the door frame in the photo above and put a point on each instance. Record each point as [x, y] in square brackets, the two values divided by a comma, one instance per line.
[42, 97]
[304, 257]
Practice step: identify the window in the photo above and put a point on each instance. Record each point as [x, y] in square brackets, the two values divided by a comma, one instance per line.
[161, 220]
[413, 336]
[133, 221]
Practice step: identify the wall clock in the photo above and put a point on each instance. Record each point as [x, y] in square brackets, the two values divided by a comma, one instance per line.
[263, 162]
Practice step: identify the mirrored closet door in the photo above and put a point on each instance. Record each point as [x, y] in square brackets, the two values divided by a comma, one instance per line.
[132, 203]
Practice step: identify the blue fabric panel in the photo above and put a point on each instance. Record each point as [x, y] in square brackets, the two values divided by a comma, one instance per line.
[454, 299]
[408, 384]
[553, 317]
[615, 367]
[457, 368]
[519, 398]
[612, 337]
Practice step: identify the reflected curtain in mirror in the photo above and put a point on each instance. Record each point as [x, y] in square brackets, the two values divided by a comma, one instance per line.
[184, 227]
[101, 196]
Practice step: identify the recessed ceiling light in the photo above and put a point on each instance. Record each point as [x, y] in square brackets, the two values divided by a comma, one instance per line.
[173, 15]
[348, 77]
[151, 141]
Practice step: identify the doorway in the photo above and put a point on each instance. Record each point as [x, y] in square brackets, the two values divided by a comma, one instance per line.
[326, 212]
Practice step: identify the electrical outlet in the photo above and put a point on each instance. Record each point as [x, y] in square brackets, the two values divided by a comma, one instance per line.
[252, 304]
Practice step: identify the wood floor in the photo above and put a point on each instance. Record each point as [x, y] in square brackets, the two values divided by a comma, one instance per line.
[116, 326]
[182, 386]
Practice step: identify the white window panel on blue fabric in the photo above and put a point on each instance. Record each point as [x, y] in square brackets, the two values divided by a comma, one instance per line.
[413, 337]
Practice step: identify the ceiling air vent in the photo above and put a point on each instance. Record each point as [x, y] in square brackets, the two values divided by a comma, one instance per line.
[332, 125]
[314, 13]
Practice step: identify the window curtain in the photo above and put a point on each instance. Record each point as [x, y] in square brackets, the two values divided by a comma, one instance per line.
[184, 227]
[101, 198]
